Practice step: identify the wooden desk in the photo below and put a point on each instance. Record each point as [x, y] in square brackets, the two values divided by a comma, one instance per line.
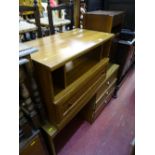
[70, 67]
[55, 51]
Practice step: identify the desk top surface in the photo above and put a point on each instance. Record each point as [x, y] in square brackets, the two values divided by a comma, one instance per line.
[54, 51]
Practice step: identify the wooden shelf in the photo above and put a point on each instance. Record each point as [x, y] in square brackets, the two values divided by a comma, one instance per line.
[79, 70]
[59, 82]
[79, 66]
[81, 81]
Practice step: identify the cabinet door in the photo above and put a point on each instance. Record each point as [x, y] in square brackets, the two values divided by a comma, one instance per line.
[34, 147]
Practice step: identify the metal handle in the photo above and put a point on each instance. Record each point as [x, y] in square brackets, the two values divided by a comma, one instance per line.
[108, 83]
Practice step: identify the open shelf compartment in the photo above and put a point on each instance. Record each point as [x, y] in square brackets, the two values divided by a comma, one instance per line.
[77, 67]
[58, 80]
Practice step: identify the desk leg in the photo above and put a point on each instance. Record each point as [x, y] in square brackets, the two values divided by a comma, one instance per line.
[115, 91]
[52, 146]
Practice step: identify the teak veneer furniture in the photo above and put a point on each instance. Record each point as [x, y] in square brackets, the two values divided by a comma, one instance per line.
[104, 93]
[122, 49]
[34, 145]
[70, 67]
[104, 21]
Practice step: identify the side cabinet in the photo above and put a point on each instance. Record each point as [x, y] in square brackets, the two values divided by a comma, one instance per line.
[104, 93]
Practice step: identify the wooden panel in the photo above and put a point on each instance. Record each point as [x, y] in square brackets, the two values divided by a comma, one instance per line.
[69, 98]
[56, 50]
[99, 110]
[71, 89]
[80, 65]
[34, 147]
[106, 49]
[104, 94]
[81, 103]
[88, 111]
[74, 63]
[104, 21]
[105, 88]
[44, 80]
[111, 75]
[94, 108]
[96, 22]
[59, 80]
[74, 100]
[77, 13]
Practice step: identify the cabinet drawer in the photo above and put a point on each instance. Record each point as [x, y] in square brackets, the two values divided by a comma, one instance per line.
[67, 106]
[106, 84]
[79, 103]
[103, 102]
[34, 147]
[103, 97]
[68, 100]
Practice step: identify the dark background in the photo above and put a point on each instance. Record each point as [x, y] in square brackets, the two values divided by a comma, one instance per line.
[123, 5]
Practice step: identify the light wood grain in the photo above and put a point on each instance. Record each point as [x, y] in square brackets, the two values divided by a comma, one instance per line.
[70, 67]
[56, 50]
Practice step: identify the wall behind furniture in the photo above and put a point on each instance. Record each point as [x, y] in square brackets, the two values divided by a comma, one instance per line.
[93, 5]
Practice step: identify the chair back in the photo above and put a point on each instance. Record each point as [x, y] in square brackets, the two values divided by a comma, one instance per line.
[35, 10]
[68, 7]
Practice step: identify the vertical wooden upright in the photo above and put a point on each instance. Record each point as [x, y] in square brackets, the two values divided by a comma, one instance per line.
[77, 13]
[37, 18]
[50, 18]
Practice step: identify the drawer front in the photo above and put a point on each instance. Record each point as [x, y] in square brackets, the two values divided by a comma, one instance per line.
[106, 84]
[105, 94]
[66, 100]
[67, 106]
[34, 147]
[64, 109]
[80, 103]
[102, 103]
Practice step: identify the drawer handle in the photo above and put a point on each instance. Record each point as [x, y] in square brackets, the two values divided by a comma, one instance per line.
[108, 83]
[33, 143]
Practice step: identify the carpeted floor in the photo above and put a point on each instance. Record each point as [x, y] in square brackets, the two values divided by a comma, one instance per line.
[112, 131]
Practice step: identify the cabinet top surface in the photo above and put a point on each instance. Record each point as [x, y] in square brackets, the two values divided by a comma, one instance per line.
[54, 51]
[107, 13]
